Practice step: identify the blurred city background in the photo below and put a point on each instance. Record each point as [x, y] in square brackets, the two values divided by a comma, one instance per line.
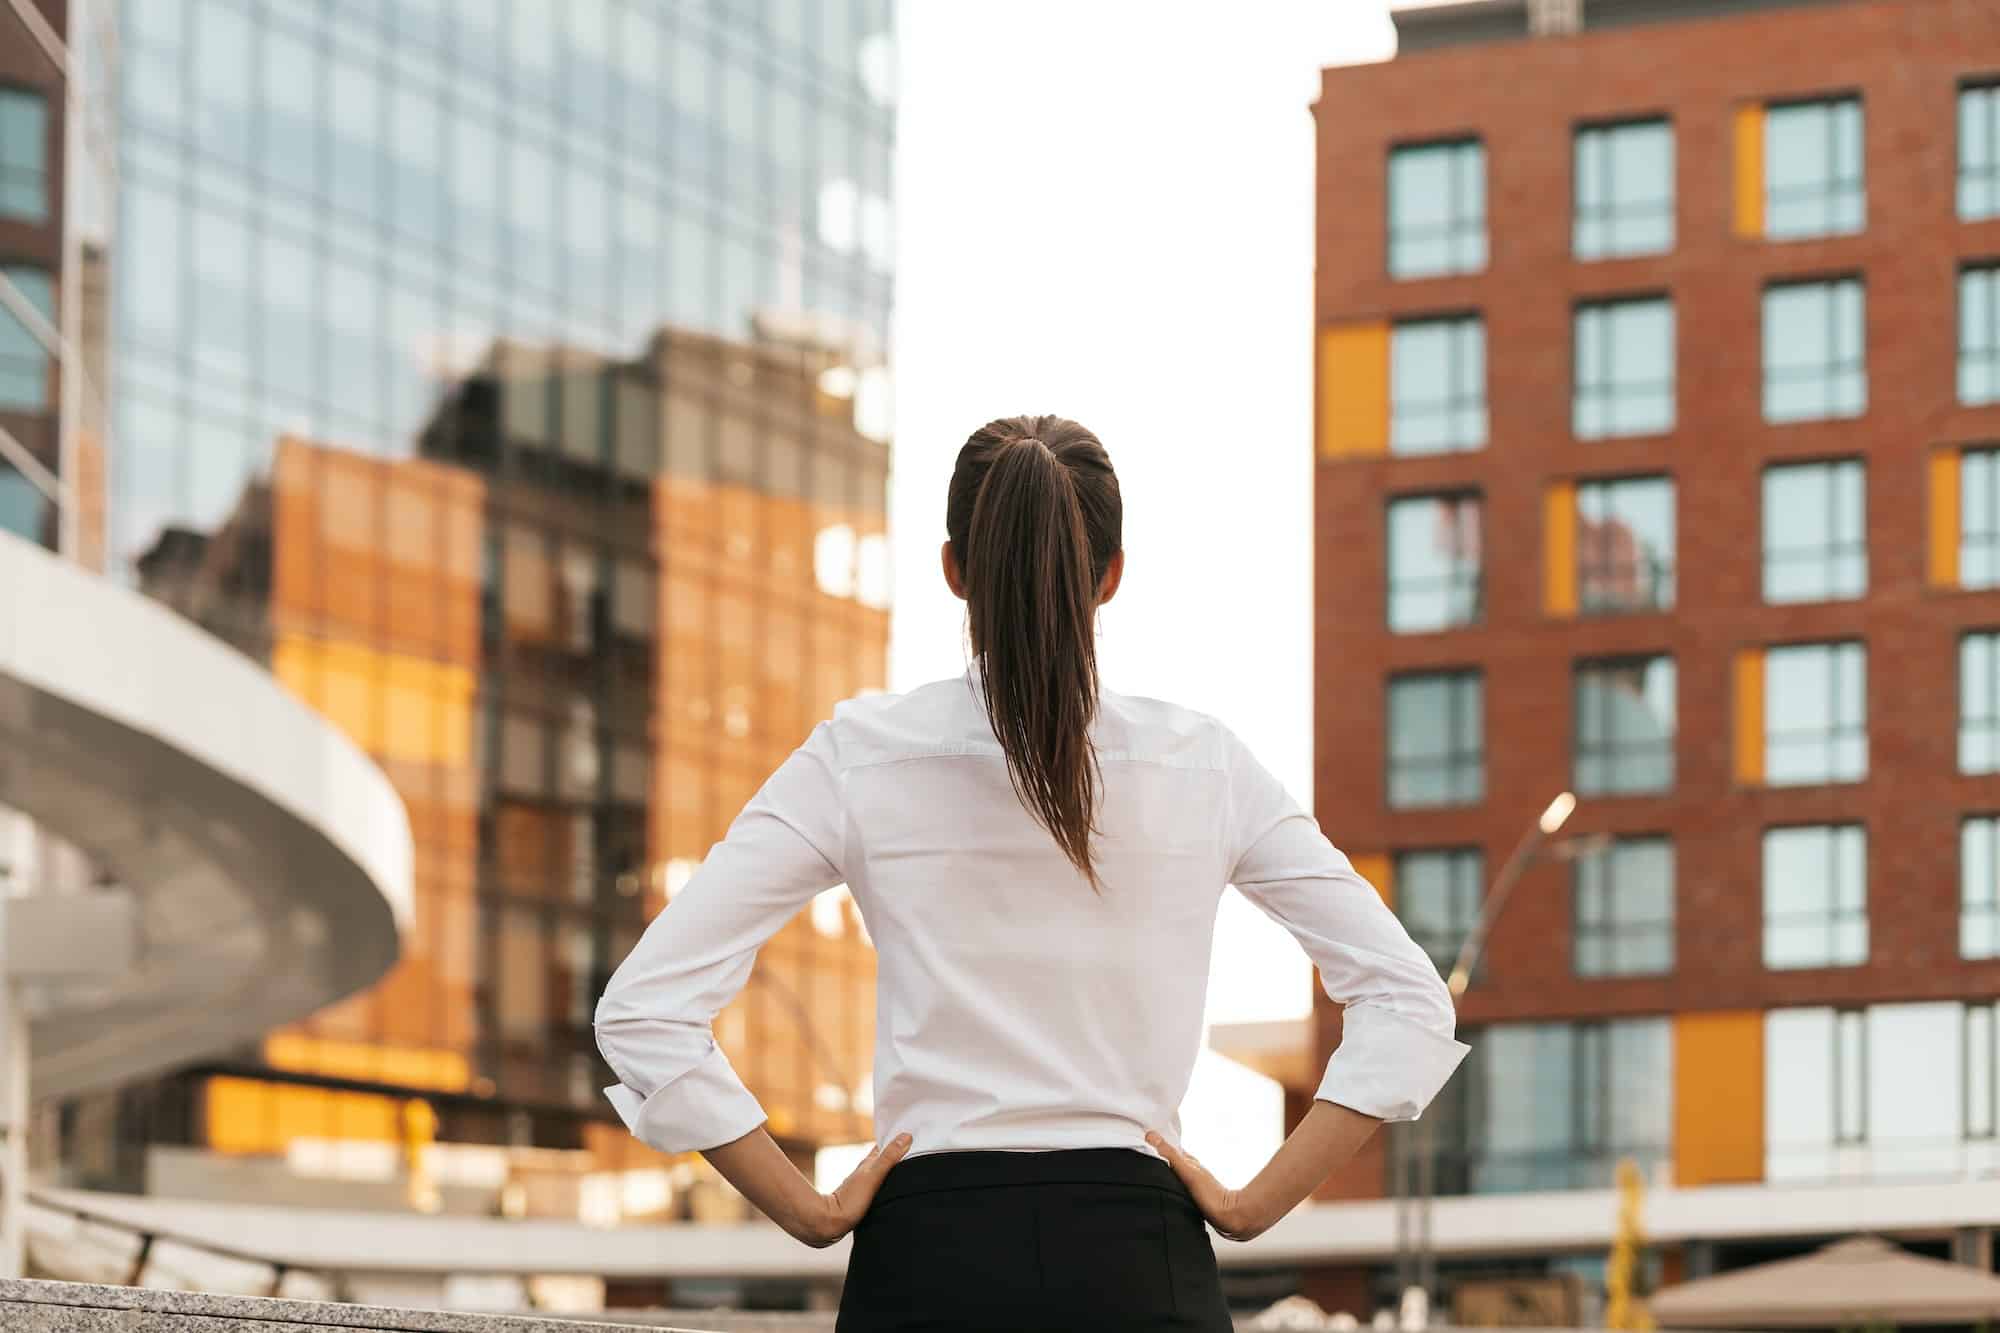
[451, 451]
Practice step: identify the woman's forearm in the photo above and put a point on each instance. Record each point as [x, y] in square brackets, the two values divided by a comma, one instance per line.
[1323, 1142]
[759, 1170]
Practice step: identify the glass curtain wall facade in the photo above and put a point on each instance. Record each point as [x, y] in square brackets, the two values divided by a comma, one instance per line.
[511, 378]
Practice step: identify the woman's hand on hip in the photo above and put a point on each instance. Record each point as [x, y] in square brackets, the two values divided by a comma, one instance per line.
[839, 1212]
[1232, 1213]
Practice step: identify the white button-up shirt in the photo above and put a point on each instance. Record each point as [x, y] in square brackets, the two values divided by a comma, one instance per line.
[1016, 1008]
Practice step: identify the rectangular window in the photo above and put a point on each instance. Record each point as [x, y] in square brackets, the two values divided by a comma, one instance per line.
[1979, 335]
[1815, 896]
[1982, 1069]
[24, 363]
[1979, 152]
[1624, 362]
[1557, 1105]
[24, 147]
[1625, 545]
[1437, 896]
[1624, 189]
[1433, 562]
[1815, 714]
[1979, 703]
[1624, 729]
[1437, 748]
[1979, 518]
[1813, 177]
[1979, 888]
[1624, 919]
[1815, 355]
[1437, 385]
[1437, 209]
[1815, 532]
[23, 508]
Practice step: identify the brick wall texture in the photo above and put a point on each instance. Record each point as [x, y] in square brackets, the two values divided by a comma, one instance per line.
[1906, 59]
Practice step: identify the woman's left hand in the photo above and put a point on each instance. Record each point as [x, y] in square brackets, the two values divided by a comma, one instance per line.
[839, 1212]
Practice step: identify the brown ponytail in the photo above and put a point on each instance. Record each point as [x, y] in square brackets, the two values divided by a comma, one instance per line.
[1035, 517]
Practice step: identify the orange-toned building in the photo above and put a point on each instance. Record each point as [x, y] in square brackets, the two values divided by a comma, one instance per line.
[575, 667]
[1691, 308]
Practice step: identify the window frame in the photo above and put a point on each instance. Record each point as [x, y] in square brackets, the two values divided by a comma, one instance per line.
[1589, 608]
[40, 174]
[1604, 213]
[1833, 917]
[1829, 369]
[1969, 272]
[1987, 88]
[1608, 390]
[1989, 721]
[1455, 676]
[1453, 231]
[1461, 861]
[1832, 550]
[1451, 582]
[1986, 540]
[1987, 908]
[1585, 667]
[38, 360]
[1833, 731]
[1456, 396]
[1610, 927]
[1832, 187]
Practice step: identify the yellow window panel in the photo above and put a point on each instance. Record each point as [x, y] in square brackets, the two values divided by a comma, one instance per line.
[1750, 717]
[1945, 535]
[1354, 389]
[1718, 1133]
[1559, 554]
[1749, 213]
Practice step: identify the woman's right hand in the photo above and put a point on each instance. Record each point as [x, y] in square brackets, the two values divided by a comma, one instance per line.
[1232, 1213]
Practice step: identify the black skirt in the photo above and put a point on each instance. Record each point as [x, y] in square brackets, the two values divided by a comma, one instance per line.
[1092, 1238]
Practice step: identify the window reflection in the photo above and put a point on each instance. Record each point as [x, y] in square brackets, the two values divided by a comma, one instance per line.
[1434, 562]
[1625, 545]
[1624, 726]
[552, 552]
[1436, 739]
[24, 175]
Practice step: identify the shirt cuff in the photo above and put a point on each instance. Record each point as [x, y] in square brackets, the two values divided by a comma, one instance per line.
[704, 1108]
[1388, 1066]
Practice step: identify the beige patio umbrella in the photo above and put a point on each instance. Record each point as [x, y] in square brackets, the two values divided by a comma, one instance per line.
[1849, 1282]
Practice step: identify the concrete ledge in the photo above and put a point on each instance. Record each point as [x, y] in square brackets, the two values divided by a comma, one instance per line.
[76, 1307]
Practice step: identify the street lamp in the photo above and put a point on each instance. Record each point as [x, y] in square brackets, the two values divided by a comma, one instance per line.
[1416, 1261]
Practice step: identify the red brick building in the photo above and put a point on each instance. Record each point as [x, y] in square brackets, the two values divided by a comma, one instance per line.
[1696, 306]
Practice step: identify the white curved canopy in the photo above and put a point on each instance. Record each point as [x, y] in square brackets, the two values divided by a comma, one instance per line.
[270, 857]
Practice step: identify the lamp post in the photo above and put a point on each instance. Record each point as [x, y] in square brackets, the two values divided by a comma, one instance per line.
[1413, 1146]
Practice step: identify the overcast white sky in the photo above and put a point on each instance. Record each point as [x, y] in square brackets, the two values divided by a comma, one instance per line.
[1106, 212]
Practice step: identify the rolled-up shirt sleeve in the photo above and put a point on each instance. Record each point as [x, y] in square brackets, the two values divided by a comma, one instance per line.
[676, 1090]
[1398, 1032]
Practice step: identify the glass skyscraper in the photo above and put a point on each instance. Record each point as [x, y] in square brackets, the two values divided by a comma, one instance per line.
[510, 376]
